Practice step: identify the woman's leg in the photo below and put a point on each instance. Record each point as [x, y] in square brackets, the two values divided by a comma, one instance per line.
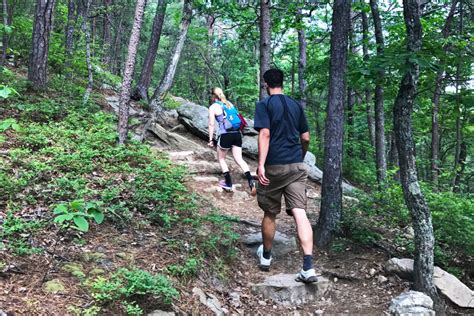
[221, 153]
[237, 153]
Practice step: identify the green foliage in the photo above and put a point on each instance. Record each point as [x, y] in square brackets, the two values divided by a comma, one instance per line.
[9, 123]
[128, 286]
[15, 233]
[186, 270]
[79, 213]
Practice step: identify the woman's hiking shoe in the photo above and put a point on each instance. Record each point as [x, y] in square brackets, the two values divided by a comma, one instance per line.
[308, 276]
[253, 188]
[224, 185]
[263, 264]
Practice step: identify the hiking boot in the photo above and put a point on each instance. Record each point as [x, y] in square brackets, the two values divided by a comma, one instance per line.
[308, 276]
[263, 264]
[253, 188]
[224, 185]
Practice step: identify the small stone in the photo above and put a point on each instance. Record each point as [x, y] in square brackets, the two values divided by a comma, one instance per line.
[382, 279]
[161, 313]
[263, 303]
[372, 272]
[335, 280]
[319, 312]
[54, 286]
[205, 179]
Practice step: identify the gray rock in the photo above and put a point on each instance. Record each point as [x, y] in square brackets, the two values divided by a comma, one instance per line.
[382, 279]
[169, 118]
[205, 179]
[2, 313]
[181, 155]
[172, 139]
[282, 244]
[283, 289]
[209, 300]
[447, 284]
[161, 313]
[113, 102]
[412, 303]
[202, 167]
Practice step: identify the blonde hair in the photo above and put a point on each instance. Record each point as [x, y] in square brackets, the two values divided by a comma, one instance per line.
[220, 95]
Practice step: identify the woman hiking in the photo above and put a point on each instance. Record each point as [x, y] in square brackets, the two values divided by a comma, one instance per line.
[229, 137]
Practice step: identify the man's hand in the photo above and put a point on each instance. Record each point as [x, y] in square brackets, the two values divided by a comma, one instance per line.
[261, 176]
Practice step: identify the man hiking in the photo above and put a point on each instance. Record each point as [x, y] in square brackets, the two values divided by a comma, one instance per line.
[283, 141]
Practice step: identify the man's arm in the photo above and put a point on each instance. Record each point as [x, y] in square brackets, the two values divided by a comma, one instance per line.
[304, 138]
[263, 145]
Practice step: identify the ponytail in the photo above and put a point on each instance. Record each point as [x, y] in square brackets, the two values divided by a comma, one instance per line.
[221, 96]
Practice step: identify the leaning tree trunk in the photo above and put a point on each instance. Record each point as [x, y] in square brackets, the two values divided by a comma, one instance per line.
[69, 42]
[157, 100]
[301, 59]
[38, 63]
[5, 34]
[368, 98]
[85, 29]
[435, 143]
[265, 43]
[421, 216]
[331, 202]
[380, 159]
[141, 90]
[128, 72]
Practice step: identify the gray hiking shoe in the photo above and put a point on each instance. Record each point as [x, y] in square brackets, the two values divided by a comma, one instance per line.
[308, 276]
[263, 264]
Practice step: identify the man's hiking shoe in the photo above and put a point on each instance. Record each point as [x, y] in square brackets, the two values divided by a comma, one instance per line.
[308, 276]
[224, 185]
[263, 264]
[253, 188]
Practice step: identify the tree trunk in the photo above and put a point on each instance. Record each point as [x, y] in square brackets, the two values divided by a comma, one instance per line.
[117, 47]
[107, 37]
[351, 94]
[403, 107]
[128, 72]
[292, 76]
[435, 141]
[69, 43]
[141, 90]
[380, 160]
[331, 202]
[301, 59]
[156, 102]
[368, 98]
[38, 63]
[265, 43]
[462, 166]
[5, 35]
[85, 29]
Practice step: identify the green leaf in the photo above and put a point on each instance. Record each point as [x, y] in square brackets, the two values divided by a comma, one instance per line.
[98, 217]
[61, 208]
[60, 218]
[81, 223]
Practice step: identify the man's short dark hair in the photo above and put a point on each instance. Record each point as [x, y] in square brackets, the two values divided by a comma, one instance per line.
[274, 78]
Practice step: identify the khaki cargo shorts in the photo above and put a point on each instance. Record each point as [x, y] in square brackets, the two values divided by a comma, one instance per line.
[285, 180]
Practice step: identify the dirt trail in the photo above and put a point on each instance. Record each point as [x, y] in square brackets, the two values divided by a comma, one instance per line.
[354, 288]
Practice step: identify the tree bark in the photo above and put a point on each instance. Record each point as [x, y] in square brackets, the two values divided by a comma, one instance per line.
[38, 63]
[462, 166]
[331, 202]
[380, 160]
[85, 29]
[5, 35]
[403, 107]
[69, 42]
[128, 72]
[435, 138]
[351, 94]
[301, 59]
[117, 47]
[141, 90]
[368, 97]
[107, 37]
[265, 43]
[157, 100]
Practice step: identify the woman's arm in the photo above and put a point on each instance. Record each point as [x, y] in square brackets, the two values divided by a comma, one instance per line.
[212, 120]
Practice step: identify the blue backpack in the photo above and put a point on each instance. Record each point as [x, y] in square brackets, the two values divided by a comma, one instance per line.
[231, 118]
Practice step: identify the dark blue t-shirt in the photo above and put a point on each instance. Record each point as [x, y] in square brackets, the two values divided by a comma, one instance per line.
[285, 129]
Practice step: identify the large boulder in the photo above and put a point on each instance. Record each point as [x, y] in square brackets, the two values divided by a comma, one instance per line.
[282, 244]
[412, 303]
[283, 289]
[195, 118]
[447, 284]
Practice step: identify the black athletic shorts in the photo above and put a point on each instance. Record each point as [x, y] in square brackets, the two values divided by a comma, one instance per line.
[227, 140]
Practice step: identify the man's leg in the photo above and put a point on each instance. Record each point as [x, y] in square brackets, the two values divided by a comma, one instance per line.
[268, 230]
[304, 229]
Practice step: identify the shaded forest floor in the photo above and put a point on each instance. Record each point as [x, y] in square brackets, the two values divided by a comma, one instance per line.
[223, 267]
